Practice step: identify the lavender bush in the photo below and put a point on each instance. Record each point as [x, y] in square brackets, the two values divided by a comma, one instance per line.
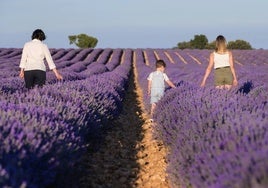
[216, 138]
[45, 131]
[209, 126]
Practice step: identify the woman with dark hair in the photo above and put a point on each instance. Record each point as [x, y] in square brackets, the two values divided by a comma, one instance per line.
[222, 62]
[32, 65]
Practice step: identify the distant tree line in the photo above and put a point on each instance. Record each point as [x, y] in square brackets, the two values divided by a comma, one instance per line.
[201, 42]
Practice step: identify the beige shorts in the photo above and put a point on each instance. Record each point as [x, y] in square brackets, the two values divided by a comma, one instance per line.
[223, 76]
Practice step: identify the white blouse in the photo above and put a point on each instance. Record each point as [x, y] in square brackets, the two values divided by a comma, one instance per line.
[33, 55]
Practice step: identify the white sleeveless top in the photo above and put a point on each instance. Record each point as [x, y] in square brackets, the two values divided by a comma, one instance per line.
[221, 60]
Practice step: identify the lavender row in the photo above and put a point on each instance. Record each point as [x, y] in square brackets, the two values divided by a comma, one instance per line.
[216, 138]
[44, 130]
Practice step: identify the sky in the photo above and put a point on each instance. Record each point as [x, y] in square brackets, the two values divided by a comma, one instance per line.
[133, 23]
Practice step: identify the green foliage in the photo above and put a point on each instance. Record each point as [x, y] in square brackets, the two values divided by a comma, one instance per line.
[211, 45]
[83, 41]
[239, 44]
[201, 42]
[184, 45]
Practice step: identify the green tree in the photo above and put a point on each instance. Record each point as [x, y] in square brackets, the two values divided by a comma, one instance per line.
[184, 45]
[239, 44]
[211, 45]
[83, 41]
[199, 42]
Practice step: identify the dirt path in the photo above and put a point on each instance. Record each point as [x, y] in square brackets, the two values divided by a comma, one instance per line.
[129, 157]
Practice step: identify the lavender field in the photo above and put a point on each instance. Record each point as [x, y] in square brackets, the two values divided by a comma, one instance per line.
[46, 130]
[216, 138]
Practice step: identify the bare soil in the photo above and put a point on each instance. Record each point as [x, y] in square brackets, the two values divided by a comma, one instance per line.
[129, 156]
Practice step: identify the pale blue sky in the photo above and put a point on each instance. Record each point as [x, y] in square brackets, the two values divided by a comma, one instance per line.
[133, 23]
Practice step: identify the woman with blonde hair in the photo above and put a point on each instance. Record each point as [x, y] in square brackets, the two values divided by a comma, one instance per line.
[222, 62]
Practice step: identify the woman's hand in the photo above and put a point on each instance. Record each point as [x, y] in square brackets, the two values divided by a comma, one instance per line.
[21, 73]
[202, 84]
[57, 74]
[235, 82]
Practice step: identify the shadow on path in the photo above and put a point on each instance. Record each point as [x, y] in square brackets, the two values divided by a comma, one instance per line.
[115, 163]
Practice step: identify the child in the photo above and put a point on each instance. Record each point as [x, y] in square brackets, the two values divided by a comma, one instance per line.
[156, 84]
[222, 60]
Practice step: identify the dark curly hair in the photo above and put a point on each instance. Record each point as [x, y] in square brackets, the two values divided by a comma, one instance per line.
[38, 34]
